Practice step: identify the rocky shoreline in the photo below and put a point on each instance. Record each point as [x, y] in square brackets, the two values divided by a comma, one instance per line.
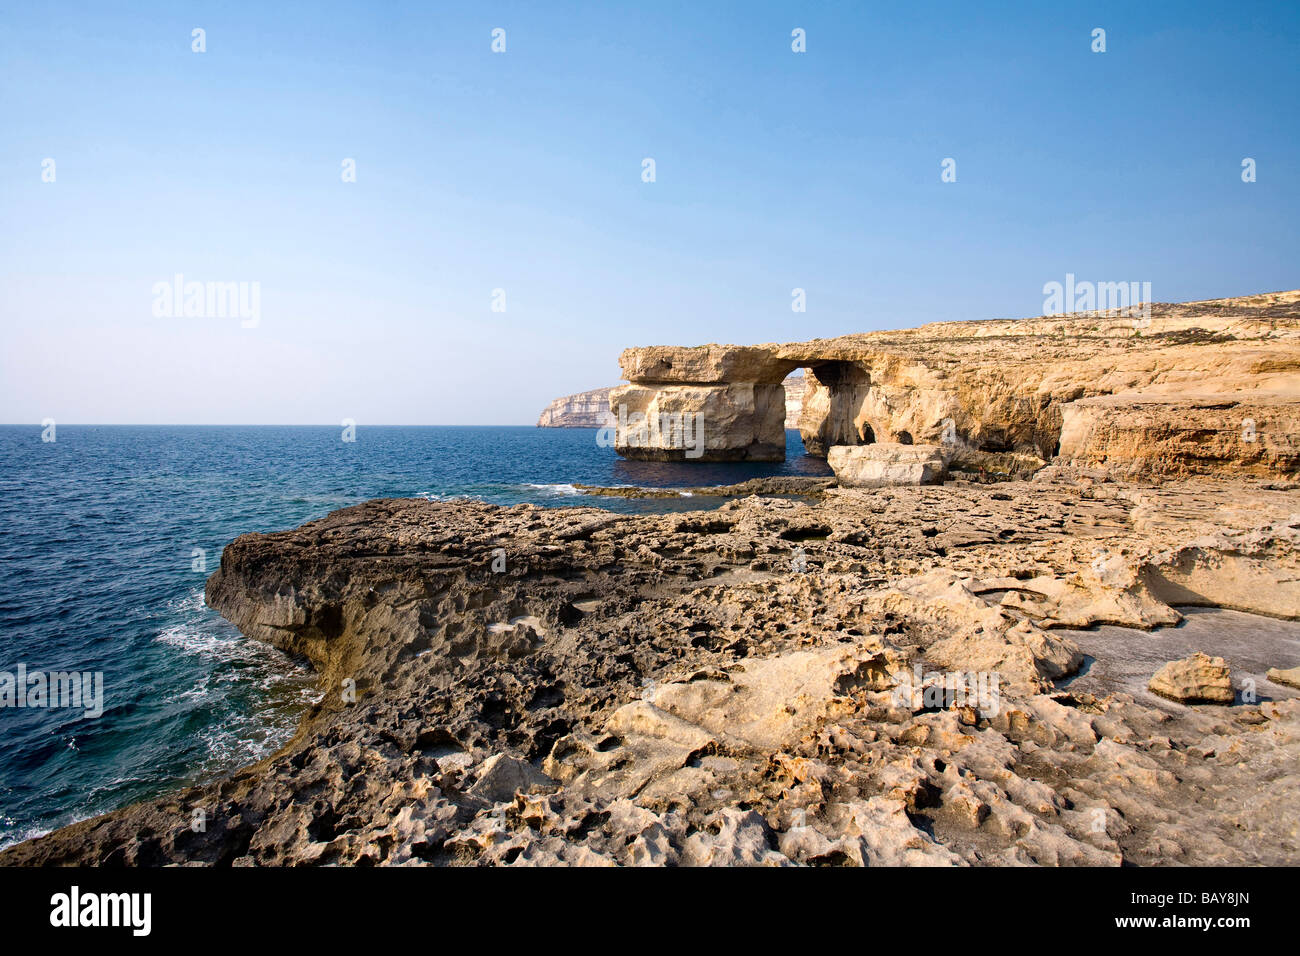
[887, 667]
[739, 686]
[782, 485]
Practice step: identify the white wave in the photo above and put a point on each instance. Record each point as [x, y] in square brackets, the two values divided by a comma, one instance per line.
[192, 603]
[443, 496]
[556, 489]
[192, 640]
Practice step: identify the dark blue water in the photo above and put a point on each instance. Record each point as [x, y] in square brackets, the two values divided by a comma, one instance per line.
[108, 533]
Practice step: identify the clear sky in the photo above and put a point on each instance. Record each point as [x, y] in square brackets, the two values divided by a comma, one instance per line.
[522, 171]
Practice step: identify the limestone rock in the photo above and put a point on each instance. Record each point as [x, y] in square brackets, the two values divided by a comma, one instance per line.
[1176, 435]
[743, 838]
[886, 836]
[1290, 677]
[707, 364]
[591, 409]
[886, 463]
[1224, 569]
[699, 696]
[583, 410]
[794, 384]
[1194, 680]
[731, 422]
[1177, 389]
[502, 776]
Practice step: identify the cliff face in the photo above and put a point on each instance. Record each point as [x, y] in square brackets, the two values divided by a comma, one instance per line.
[591, 409]
[795, 385]
[1191, 388]
[583, 410]
[1242, 432]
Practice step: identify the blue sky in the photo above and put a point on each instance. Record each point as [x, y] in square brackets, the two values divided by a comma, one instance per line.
[522, 171]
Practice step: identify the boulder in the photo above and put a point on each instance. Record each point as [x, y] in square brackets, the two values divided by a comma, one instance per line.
[1199, 679]
[1290, 677]
[886, 463]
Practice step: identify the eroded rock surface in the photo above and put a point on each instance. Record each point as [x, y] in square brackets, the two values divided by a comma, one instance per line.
[886, 463]
[1192, 388]
[754, 685]
[1289, 676]
[591, 409]
[1199, 679]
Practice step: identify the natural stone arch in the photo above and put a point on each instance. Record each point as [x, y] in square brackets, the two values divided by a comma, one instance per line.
[1004, 393]
[832, 406]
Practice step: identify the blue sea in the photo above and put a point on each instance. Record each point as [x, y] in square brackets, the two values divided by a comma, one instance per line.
[108, 533]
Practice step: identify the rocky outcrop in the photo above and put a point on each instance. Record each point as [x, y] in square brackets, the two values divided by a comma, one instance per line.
[1156, 436]
[801, 485]
[583, 410]
[1193, 388]
[735, 422]
[591, 409]
[1290, 676]
[876, 677]
[886, 463]
[1199, 679]
[795, 384]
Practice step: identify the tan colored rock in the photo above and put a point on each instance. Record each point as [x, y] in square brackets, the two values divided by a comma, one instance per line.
[502, 776]
[741, 839]
[886, 463]
[886, 836]
[736, 422]
[768, 702]
[590, 409]
[1290, 677]
[702, 701]
[1159, 435]
[1199, 679]
[1175, 387]
[1247, 570]
[704, 365]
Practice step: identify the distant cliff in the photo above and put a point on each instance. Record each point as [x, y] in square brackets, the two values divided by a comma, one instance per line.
[794, 387]
[589, 409]
[584, 410]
